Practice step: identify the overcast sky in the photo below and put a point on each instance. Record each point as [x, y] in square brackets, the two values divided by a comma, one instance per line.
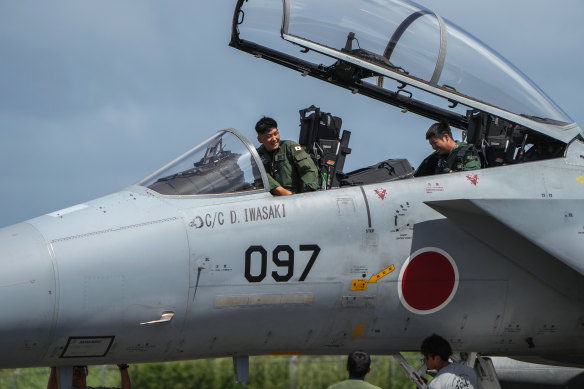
[95, 95]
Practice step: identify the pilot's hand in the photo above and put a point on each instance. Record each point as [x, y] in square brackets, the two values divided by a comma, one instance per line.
[280, 191]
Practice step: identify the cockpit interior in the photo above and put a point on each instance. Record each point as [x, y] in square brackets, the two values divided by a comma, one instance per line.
[393, 51]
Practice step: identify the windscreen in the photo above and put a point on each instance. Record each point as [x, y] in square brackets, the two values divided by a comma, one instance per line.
[221, 164]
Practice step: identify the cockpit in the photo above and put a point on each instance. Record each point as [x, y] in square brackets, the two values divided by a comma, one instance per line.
[394, 51]
[224, 163]
[405, 55]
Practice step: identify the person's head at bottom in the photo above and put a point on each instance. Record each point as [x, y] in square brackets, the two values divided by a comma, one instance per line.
[358, 364]
[436, 351]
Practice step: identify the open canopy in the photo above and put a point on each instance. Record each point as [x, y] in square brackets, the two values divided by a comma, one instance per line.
[403, 41]
[414, 42]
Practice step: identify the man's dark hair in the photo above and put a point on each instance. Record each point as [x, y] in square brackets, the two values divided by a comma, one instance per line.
[436, 345]
[438, 130]
[265, 124]
[358, 364]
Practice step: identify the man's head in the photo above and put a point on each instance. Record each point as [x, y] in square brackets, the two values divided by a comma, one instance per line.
[440, 138]
[268, 134]
[358, 364]
[436, 351]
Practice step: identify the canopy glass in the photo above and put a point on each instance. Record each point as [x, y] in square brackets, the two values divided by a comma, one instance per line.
[224, 163]
[412, 43]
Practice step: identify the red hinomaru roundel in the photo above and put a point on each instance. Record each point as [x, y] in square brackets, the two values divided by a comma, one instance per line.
[428, 280]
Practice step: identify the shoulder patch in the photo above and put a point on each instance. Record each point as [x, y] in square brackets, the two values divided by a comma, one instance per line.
[297, 148]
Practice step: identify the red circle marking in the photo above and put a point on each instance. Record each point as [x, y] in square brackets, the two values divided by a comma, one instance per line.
[428, 281]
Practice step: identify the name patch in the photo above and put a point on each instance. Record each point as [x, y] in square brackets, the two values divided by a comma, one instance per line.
[213, 219]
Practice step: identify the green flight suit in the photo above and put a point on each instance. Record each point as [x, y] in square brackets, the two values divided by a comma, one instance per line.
[462, 157]
[353, 384]
[291, 167]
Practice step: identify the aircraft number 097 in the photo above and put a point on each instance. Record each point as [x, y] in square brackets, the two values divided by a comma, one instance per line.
[282, 257]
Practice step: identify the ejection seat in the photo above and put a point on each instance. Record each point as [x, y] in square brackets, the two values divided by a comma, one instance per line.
[319, 135]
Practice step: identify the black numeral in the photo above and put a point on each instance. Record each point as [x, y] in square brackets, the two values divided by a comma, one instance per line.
[263, 266]
[315, 250]
[288, 263]
[282, 257]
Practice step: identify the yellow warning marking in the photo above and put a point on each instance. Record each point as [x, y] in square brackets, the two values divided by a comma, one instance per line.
[359, 284]
[381, 274]
[359, 330]
[580, 180]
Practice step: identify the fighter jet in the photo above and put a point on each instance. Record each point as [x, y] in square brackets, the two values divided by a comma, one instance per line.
[199, 260]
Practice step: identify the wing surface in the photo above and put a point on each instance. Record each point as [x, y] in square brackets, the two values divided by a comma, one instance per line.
[541, 236]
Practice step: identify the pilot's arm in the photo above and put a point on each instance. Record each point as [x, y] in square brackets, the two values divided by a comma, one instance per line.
[280, 191]
[126, 383]
[306, 170]
[53, 384]
[275, 188]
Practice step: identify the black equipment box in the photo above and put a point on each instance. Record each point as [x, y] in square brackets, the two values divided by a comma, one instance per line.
[388, 170]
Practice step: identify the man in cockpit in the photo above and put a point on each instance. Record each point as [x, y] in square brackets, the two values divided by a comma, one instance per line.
[290, 169]
[449, 155]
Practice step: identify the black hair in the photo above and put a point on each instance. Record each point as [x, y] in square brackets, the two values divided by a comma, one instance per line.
[436, 345]
[358, 364]
[438, 130]
[265, 124]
